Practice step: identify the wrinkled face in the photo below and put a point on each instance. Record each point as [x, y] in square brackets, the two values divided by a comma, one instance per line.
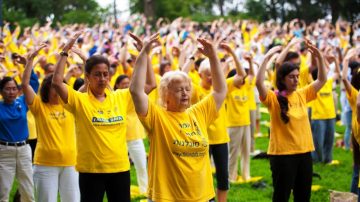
[291, 80]
[98, 78]
[125, 83]
[206, 80]
[178, 95]
[10, 92]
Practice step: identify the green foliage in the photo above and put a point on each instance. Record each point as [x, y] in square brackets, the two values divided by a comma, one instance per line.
[28, 12]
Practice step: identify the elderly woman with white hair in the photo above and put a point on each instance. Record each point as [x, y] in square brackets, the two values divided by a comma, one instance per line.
[179, 145]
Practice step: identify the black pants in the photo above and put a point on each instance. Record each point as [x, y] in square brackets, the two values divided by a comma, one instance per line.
[291, 172]
[94, 185]
[220, 153]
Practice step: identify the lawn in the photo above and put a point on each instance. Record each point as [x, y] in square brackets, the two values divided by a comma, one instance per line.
[335, 177]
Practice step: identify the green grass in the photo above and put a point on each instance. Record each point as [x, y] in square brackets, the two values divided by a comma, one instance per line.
[332, 177]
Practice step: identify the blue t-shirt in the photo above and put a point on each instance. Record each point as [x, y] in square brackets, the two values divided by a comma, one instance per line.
[13, 121]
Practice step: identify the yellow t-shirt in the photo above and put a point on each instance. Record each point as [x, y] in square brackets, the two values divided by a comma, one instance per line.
[31, 125]
[101, 130]
[217, 130]
[294, 137]
[237, 104]
[154, 94]
[304, 76]
[134, 130]
[352, 102]
[179, 166]
[323, 106]
[252, 101]
[56, 134]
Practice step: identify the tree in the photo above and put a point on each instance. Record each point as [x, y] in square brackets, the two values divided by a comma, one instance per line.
[30, 11]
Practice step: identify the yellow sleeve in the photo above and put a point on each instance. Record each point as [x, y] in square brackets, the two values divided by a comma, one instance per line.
[73, 99]
[309, 92]
[352, 96]
[148, 120]
[35, 106]
[206, 108]
[270, 99]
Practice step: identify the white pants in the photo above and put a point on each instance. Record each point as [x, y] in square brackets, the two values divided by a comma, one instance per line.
[16, 162]
[137, 154]
[240, 142]
[49, 180]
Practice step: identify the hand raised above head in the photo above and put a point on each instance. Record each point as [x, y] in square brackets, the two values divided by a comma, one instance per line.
[71, 41]
[208, 48]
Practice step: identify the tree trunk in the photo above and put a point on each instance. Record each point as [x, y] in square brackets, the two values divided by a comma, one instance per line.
[221, 7]
[149, 12]
[335, 8]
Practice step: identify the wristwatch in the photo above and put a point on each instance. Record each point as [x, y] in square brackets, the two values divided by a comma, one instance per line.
[63, 53]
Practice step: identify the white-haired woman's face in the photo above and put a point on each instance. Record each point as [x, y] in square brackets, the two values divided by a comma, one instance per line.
[178, 95]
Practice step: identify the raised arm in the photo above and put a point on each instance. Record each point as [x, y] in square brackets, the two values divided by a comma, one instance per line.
[321, 78]
[280, 59]
[260, 78]
[345, 64]
[249, 59]
[29, 92]
[57, 81]
[239, 69]
[217, 75]
[137, 84]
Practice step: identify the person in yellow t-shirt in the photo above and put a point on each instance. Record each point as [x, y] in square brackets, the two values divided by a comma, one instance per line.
[101, 119]
[218, 136]
[353, 96]
[179, 166]
[291, 142]
[323, 118]
[55, 154]
[134, 135]
[238, 118]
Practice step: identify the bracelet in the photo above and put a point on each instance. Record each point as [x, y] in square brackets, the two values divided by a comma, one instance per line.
[63, 53]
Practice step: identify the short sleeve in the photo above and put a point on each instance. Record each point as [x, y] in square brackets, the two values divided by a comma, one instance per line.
[73, 99]
[148, 120]
[206, 108]
[268, 101]
[309, 92]
[35, 106]
[352, 96]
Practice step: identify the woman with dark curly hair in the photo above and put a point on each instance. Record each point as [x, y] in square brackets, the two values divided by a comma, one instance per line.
[291, 141]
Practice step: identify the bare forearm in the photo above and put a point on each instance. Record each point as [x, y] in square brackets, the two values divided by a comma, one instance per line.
[239, 69]
[218, 79]
[322, 70]
[138, 82]
[59, 71]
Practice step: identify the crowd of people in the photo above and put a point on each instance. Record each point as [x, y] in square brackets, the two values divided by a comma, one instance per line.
[78, 101]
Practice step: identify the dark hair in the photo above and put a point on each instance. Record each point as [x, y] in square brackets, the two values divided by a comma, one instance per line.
[119, 79]
[163, 64]
[78, 83]
[46, 67]
[314, 73]
[197, 63]
[291, 55]
[45, 88]
[355, 74]
[5, 80]
[285, 69]
[231, 73]
[95, 60]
